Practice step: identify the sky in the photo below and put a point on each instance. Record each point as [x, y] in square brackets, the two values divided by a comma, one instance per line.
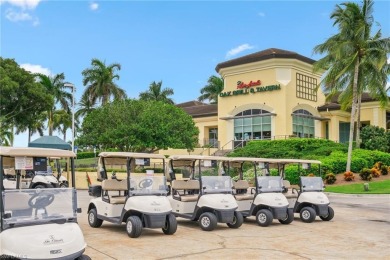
[176, 42]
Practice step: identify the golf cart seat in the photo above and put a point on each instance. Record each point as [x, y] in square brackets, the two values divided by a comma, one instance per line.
[241, 190]
[114, 185]
[289, 192]
[185, 190]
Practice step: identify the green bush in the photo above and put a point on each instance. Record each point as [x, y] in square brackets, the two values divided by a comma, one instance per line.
[375, 138]
[330, 178]
[85, 155]
[384, 170]
[365, 174]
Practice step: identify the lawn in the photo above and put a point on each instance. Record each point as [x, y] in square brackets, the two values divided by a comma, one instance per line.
[377, 187]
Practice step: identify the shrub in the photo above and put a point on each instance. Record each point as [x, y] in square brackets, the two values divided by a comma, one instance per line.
[349, 176]
[365, 174]
[375, 173]
[311, 175]
[385, 170]
[378, 165]
[330, 178]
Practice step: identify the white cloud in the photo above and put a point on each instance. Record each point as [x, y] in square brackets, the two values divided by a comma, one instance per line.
[261, 14]
[93, 6]
[35, 68]
[24, 4]
[239, 49]
[15, 16]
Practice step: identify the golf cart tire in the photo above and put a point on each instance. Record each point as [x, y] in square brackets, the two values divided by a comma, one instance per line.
[64, 185]
[136, 226]
[208, 221]
[290, 217]
[264, 217]
[329, 216]
[237, 220]
[93, 219]
[40, 186]
[170, 225]
[83, 257]
[307, 214]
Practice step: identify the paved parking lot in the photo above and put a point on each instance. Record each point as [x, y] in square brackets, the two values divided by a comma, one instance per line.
[359, 230]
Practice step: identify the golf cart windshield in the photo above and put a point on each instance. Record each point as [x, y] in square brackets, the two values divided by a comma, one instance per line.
[269, 184]
[38, 206]
[148, 185]
[217, 184]
[312, 184]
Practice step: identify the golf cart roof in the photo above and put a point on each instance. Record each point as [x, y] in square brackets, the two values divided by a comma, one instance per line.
[252, 159]
[285, 161]
[34, 152]
[198, 157]
[132, 155]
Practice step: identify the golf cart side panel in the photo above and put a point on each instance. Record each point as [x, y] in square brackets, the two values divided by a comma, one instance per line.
[107, 209]
[271, 199]
[218, 201]
[181, 206]
[244, 205]
[51, 241]
[148, 204]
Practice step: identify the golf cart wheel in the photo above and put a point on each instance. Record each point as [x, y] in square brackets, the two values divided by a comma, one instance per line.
[83, 257]
[133, 226]
[308, 214]
[208, 221]
[40, 186]
[170, 225]
[289, 218]
[64, 185]
[93, 219]
[329, 216]
[238, 219]
[264, 217]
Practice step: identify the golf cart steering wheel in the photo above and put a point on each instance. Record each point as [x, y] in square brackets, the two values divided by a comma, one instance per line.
[145, 183]
[41, 200]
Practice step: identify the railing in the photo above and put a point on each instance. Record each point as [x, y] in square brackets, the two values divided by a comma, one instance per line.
[212, 143]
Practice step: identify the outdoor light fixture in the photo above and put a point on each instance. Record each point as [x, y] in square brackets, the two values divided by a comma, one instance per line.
[70, 85]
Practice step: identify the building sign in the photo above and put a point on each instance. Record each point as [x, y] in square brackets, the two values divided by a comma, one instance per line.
[246, 88]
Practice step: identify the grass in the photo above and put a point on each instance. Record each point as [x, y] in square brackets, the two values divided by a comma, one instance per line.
[377, 187]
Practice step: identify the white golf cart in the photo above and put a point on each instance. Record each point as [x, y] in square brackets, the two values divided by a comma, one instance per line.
[42, 177]
[265, 200]
[139, 200]
[309, 200]
[208, 199]
[38, 223]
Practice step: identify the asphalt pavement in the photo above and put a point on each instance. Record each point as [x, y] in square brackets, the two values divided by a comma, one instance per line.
[359, 230]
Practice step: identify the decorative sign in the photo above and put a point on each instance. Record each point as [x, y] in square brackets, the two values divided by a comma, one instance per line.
[241, 85]
[24, 163]
[248, 88]
[139, 161]
[207, 163]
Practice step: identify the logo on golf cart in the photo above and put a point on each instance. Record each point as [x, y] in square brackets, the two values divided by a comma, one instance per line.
[155, 204]
[58, 251]
[52, 240]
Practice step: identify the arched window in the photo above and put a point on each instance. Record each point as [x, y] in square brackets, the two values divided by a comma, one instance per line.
[303, 123]
[252, 124]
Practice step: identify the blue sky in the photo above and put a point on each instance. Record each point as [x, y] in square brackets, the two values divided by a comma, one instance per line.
[177, 42]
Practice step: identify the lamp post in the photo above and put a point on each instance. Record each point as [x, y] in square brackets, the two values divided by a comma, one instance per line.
[73, 90]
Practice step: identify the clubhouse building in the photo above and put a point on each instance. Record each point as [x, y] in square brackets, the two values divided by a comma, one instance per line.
[272, 94]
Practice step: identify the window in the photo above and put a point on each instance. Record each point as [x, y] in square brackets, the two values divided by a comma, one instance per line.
[306, 87]
[257, 125]
[303, 124]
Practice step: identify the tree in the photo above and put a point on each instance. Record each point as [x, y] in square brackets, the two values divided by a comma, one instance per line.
[35, 127]
[139, 126]
[55, 87]
[155, 93]
[6, 135]
[22, 99]
[99, 80]
[86, 106]
[212, 90]
[375, 138]
[348, 51]
[62, 121]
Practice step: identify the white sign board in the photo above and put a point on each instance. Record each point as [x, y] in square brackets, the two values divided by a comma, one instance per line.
[139, 161]
[207, 163]
[24, 163]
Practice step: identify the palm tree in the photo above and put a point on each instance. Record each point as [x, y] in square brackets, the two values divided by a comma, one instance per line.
[6, 133]
[155, 93]
[212, 90]
[38, 126]
[348, 51]
[99, 80]
[62, 121]
[86, 106]
[55, 87]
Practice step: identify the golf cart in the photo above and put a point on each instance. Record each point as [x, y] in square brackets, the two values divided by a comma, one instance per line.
[40, 177]
[265, 200]
[206, 199]
[309, 200]
[38, 223]
[139, 200]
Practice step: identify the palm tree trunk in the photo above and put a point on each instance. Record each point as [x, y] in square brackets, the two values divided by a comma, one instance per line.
[353, 115]
[358, 121]
[50, 123]
[29, 135]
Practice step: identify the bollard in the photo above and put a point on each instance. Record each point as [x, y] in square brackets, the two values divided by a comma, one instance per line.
[366, 187]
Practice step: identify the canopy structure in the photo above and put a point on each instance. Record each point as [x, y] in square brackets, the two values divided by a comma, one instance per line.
[50, 142]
